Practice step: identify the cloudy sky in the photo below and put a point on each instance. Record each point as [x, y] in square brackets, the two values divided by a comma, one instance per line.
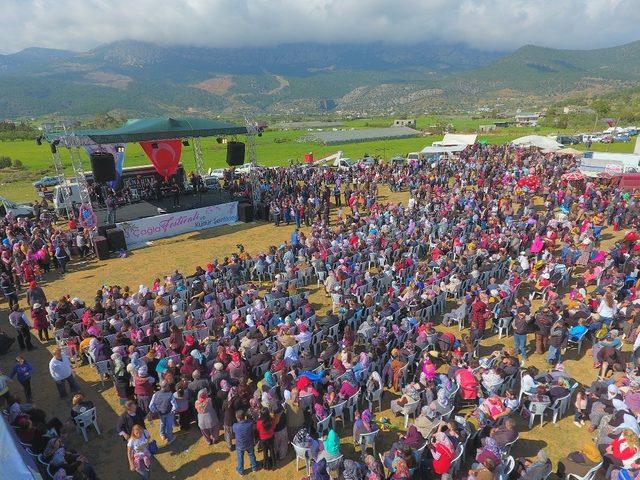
[485, 24]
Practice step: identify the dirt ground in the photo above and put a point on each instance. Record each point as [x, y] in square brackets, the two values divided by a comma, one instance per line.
[189, 457]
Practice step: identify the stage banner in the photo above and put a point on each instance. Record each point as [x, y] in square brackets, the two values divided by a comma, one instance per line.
[138, 232]
[164, 154]
[117, 150]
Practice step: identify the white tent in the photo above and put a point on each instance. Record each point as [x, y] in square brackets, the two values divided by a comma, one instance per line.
[538, 141]
[16, 462]
[453, 139]
[438, 150]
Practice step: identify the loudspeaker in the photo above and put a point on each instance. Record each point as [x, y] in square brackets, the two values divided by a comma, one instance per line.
[101, 247]
[115, 238]
[235, 153]
[103, 165]
[102, 229]
[245, 212]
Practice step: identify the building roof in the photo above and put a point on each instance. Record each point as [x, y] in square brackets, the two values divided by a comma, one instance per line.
[451, 139]
[146, 129]
[360, 135]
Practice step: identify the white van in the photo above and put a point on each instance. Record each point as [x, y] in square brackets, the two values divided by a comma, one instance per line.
[17, 210]
[58, 199]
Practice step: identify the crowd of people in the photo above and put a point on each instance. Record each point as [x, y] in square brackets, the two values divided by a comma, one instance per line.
[267, 370]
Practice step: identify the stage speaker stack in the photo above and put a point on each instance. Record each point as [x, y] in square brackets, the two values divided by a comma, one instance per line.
[103, 165]
[102, 229]
[116, 240]
[245, 212]
[101, 247]
[235, 153]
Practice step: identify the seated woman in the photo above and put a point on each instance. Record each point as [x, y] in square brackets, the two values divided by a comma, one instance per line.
[526, 469]
[590, 276]
[468, 383]
[349, 386]
[528, 384]
[489, 450]
[427, 367]
[442, 451]
[441, 404]
[413, 440]
[391, 371]
[363, 424]
[410, 393]
[362, 364]
[330, 447]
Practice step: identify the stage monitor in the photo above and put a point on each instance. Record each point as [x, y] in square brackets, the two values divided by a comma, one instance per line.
[235, 153]
[103, 165]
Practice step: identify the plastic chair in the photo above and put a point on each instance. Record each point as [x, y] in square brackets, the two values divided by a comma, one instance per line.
[578, 341]
[375, 396]
[338, 411]
[559, 407]
[367, 439]
[306, 402]
[352, 404]
[85, 420]
[410, 409]
[506, 468]
[589, 476]
[334, 465]
[506, 450]
[302, 454]
[457, 460]
[322, 426]
[537, 408]
[503, 325]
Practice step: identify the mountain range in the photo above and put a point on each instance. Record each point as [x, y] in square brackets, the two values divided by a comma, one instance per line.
[139, 78]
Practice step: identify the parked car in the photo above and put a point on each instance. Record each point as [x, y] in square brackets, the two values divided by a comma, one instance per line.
[47, 182]
[568, 139]
[607, 139]
[621, 137]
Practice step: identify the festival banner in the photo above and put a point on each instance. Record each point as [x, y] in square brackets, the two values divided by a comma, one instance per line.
[138, 232]
[164, 154]
[117, 150]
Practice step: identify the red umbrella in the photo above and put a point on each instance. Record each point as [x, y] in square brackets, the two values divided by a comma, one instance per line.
[573, 176]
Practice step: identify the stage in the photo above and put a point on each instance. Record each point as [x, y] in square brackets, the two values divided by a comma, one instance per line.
[151, 208]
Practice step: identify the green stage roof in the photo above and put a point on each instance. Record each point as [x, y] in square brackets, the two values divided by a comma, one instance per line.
[139, 130]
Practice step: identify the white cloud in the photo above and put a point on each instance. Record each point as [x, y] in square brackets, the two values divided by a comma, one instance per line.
[485, 24]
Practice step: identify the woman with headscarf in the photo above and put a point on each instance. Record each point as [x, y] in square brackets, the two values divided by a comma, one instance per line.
[442, 403]
[121, 379]
[208, 421]
[331, 447]
[294, 413]
[349, 386]
[397, 364]
[351, 470]
[189, 365]
[526, 469]
[442, 451]
[490, 450]
[320, 471]
[290, 357]
[579, 462]
[236, 368]
[410, 394]
[374, 468]
[363, 424]
[427, 367]
[413, 439]
[266, 426]
[361, 365]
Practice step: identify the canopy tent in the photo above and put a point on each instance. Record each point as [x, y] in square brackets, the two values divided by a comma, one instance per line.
[453, 139]
[152, 129]
[17, 464]
[440, 150]
[537, 141]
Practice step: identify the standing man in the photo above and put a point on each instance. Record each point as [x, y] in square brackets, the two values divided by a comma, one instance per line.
[521, 327]
[22, 370]
[62, 258]
[35, 294]
[61, 372]
[163, 403]
[111, 209]
[18, 320]
[8, 289]
[243, 430]
[132, 415]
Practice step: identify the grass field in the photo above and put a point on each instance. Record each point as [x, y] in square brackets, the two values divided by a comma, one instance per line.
[273, 148]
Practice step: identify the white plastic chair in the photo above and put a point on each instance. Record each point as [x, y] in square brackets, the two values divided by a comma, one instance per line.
[559, 407]
[352, 404]
[85, 420]
[322, 426]
[503, 325]
[367, 439]
[537, 408]
[338, 411]
[457, 460]
[302, 454]
[334, 465]
[410, 409]
[375, 396]
[589, 476]
[506, 468]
